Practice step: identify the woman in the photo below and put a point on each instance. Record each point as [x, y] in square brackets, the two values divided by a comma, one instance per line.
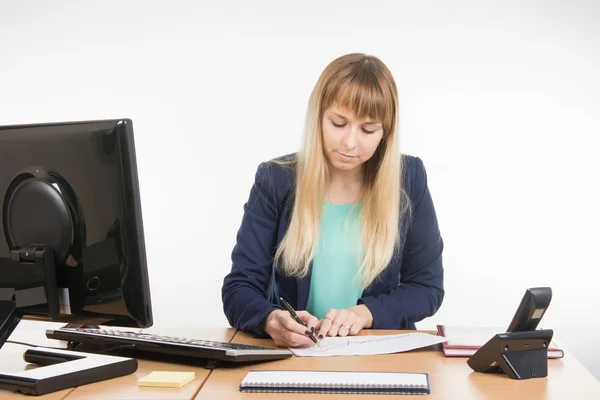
[344, 230]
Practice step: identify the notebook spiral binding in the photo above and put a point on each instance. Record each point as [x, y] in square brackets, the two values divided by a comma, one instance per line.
[332, 385]
[336, 391]
[335, 382]
[269, 387]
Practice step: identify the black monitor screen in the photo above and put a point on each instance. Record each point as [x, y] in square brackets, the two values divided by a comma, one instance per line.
[73, 188]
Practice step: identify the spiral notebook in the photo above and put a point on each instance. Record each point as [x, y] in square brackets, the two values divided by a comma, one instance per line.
[336, 382]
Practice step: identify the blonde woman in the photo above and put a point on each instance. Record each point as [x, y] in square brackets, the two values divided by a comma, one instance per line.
[345, 230]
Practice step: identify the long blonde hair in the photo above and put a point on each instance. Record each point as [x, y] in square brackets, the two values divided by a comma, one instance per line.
[364, 85]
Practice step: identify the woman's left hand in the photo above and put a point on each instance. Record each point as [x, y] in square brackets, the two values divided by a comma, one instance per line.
[344, 322]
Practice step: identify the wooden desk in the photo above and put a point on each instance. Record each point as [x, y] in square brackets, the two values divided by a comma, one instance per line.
[450, 378]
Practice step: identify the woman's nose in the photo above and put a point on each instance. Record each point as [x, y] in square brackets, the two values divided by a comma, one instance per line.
[349, 140]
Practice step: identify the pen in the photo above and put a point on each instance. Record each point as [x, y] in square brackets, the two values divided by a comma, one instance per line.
[298, 320]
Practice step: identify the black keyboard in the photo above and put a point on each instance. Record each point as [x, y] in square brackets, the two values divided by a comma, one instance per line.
[197, 348]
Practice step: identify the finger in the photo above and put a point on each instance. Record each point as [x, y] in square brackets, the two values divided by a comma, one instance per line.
[338, 321]
[280, 328]
[318, 325]
[297, 340]
[286, 320]
[330, 326]
[312, 324]
[324, 326]
[354, 324]
[335, 328]
[356, 328]
[297, 335]
[344, 329]
[345, 318]
[310, 320]
[293, 339]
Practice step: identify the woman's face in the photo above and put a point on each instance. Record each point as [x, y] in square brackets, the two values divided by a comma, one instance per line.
[348, 141]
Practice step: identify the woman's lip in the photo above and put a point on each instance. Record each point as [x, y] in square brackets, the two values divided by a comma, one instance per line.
[345, 155]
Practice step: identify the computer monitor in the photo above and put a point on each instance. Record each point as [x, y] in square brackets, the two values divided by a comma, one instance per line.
[72, 241]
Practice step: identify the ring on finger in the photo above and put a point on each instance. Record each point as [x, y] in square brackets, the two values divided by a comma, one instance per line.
[329, 319]
[282, 330]
[347, 327]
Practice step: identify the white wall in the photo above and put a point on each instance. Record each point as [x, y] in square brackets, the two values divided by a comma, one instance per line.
[499, 99]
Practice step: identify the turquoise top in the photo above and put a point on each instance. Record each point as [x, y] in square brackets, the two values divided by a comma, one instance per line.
[334, 281]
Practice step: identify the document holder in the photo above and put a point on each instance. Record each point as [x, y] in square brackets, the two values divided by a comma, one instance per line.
[520, 355]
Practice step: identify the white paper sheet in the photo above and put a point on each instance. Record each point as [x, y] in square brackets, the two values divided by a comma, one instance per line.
[369, 345]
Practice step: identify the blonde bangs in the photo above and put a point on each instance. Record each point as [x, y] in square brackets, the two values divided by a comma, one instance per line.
[364, 93]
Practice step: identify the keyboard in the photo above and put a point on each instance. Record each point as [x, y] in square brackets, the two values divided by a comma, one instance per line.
[152, 343]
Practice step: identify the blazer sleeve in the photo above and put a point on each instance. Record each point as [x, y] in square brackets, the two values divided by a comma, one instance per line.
[244, 291]
[421, 288]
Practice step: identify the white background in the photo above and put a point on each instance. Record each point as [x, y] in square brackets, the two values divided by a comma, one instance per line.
[500, 100]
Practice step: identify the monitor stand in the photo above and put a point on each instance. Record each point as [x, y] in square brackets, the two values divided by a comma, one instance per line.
[60, 369]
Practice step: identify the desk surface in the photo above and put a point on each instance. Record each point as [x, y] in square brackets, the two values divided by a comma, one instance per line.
[450, 378]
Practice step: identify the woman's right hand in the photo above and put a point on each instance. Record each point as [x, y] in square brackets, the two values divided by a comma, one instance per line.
[286, 332]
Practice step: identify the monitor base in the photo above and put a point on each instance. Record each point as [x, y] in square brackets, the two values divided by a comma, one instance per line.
[60, 369]
[64, 369]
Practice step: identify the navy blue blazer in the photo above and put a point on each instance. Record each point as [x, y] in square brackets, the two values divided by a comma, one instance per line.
[410, 288]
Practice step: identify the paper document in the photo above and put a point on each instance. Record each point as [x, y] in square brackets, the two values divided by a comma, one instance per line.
[369, 345]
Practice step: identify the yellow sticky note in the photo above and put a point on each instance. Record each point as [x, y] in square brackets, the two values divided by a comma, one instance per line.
[167, 379]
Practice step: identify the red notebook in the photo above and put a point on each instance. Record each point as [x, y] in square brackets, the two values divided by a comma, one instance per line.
[465, 341]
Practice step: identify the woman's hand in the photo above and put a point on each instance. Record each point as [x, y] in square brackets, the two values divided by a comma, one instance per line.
[286, 332]
[345, 322]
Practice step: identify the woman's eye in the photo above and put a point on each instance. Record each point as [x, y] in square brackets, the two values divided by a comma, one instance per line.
[368, 132]
[338, 125]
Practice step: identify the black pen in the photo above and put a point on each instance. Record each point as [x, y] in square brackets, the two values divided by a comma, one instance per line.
[298, 320]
